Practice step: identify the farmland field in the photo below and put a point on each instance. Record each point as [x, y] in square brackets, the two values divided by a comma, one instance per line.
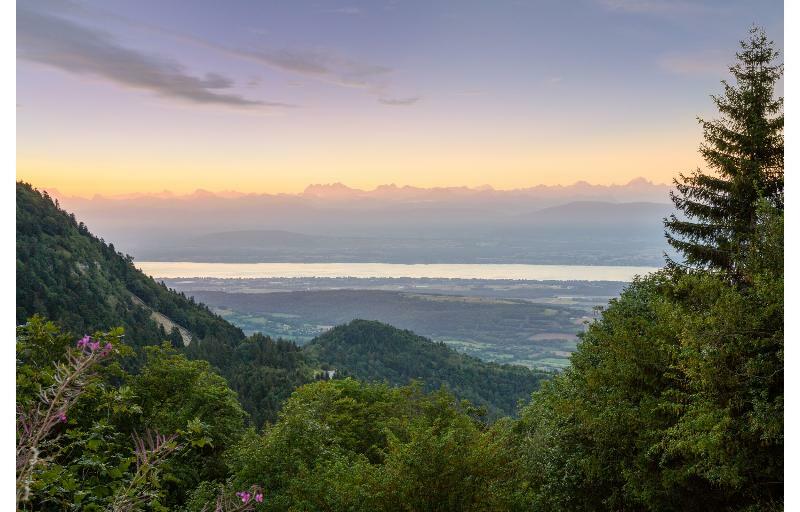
[532, 323]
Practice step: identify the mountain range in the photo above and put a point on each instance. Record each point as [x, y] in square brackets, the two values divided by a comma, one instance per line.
[640, 189]
[577, 224]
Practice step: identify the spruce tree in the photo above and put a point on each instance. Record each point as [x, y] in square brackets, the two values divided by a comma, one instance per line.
[743, 151]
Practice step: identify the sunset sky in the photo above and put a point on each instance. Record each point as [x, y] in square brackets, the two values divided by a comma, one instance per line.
[142, 96]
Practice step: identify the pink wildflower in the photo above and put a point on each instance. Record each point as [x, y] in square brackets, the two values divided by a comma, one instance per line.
[83, 341]
[259, 497]
[62, 417]
[94, 345]
[244, 496]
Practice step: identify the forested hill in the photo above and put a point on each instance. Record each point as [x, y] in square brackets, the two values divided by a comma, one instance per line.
[373, 351]
[68, 275]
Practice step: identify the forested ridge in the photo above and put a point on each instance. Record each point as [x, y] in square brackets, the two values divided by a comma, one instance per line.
[83, 283]
[372, 351]
[673, 400]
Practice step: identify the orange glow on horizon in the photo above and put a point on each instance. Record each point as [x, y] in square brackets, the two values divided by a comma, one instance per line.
[502, 171]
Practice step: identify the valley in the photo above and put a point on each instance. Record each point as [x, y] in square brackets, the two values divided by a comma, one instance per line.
[530, 323]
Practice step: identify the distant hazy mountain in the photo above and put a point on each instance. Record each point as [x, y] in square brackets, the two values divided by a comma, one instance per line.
[581, 223]
[639, 189]
[604, 213]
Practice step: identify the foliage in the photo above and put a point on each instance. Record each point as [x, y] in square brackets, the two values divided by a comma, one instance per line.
[674, 401]
[151, 452]
[79, 442]
[744, 149]
[38, 417]
[372, 351]
[347, 445]
[263, 371]
[67, 274]
[184, 396]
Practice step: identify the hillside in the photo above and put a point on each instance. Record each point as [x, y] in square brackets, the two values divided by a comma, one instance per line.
[68, 275]
[79, 281]
[373, 351]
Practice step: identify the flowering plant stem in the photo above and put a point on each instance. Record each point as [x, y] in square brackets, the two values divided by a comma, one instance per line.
[36, 424]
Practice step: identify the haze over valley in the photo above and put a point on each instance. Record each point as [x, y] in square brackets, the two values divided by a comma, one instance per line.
[580, 224]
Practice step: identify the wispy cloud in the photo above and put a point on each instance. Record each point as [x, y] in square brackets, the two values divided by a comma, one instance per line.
[400, 102]
[75, 48]
[320, 64]
[324, 66]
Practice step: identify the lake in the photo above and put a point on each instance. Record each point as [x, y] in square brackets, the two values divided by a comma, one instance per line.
[174, 269]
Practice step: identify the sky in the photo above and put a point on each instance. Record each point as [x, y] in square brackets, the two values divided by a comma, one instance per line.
[268, 97]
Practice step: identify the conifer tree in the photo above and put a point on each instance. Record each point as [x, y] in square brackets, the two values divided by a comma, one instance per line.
[743, 151]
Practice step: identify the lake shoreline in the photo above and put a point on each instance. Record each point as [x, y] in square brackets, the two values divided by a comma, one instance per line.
[488, 271]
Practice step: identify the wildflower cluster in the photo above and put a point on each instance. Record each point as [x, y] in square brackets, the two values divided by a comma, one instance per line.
[245, 496]
[36, 424]
[245, 500]
[90, 346]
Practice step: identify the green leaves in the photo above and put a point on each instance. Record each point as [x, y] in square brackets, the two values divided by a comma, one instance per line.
[92, 459]
[197, 434]
[346, 445]
[665, 406]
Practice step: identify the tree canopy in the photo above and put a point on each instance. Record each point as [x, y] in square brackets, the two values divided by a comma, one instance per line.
[373, 351]
[743, 151]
